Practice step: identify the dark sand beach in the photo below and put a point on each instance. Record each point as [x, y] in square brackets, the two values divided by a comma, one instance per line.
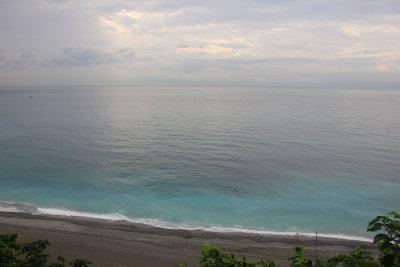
[121, 243]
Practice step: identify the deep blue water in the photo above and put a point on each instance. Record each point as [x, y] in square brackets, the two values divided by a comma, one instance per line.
[250, 158]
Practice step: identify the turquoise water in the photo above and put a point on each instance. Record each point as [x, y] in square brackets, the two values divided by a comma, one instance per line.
[269, 159]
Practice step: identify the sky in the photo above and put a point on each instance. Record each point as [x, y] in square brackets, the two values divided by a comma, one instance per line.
[341, 43]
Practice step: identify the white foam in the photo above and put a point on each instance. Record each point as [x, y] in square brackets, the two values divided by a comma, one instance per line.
[66, 212]
[9, 207]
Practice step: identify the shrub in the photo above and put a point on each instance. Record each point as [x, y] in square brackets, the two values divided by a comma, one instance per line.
[214, 257]
[388, 240]
[30, 254]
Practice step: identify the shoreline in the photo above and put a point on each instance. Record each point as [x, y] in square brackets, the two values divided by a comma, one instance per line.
[123, 243]
[34, 210]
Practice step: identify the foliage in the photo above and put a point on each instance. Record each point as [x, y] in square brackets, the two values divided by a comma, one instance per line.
[297, 260]
[214, 257]
[8, 247]
[359, 257]
[30, 254]
[388, 240]
[79, 263]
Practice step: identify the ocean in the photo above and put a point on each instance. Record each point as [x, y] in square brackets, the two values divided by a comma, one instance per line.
[272, 160]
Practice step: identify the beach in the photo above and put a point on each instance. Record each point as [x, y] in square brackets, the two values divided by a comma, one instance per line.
[133, 133]
[122, 243]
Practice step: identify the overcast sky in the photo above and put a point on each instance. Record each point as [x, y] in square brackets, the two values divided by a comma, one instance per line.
[341, 43]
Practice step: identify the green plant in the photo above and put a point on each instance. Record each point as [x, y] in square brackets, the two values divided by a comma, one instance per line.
[214, 257]
[30, 254]
[34, 253]
[359, 257]
[388, 240]
[60, 262]
[267, 263]
[8, 248]
[297, 259]
[79, 263]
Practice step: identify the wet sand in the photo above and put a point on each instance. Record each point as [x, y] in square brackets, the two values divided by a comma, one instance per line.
[121, 243]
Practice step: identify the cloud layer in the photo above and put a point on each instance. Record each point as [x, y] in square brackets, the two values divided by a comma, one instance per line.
[303, 42]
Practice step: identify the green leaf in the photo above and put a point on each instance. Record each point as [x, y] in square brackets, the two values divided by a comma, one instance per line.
[375, 227]
[374, 220]
[379, 237]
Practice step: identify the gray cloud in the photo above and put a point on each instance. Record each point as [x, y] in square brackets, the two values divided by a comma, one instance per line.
[92, 57]
[17, 60]
[68, 57]
[253, 41]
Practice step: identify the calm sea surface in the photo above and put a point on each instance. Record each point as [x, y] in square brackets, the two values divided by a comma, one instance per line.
[286, 160]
